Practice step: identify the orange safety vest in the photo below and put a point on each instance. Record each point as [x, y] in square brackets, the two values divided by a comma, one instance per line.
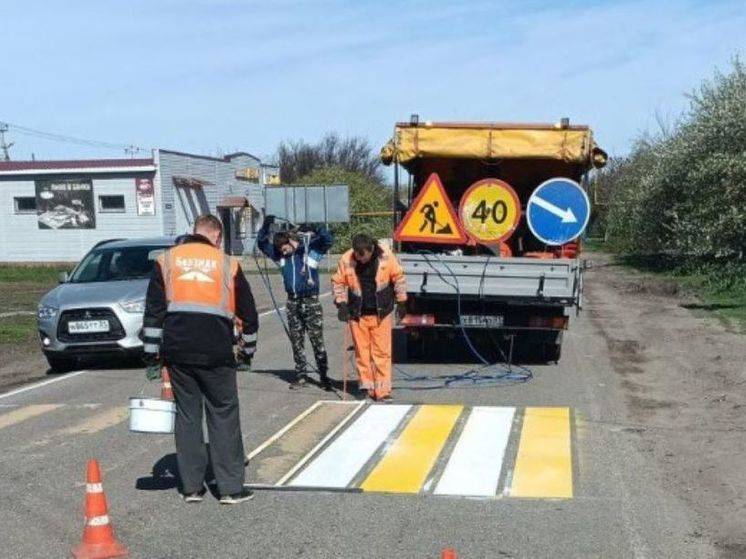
[199, 278]
[389, 275]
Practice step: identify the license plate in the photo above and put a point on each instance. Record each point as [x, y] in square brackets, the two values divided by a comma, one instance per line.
[482, 321]
[87, 326]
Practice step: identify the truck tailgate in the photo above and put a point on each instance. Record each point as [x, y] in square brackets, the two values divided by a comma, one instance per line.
[556, 280]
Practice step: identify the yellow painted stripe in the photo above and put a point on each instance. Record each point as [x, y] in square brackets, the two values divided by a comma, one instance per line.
[98, 422]
[404, 467]
[24, 413]
[543, 467]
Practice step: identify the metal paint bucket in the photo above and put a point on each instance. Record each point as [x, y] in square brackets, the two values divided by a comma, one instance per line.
[152, 415]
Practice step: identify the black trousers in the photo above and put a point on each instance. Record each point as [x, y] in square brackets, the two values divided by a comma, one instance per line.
[215, 387]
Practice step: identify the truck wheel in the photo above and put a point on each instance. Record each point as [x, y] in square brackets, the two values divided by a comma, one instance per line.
[400, 346]
[59, 364]
[552, 352]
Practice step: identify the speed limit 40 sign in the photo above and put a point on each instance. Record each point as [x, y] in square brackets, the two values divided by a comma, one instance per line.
[489, 211]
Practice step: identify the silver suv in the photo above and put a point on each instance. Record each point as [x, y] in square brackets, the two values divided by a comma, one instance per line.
[98, 308]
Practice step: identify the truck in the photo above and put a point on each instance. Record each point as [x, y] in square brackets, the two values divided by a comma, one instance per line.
[515, 291]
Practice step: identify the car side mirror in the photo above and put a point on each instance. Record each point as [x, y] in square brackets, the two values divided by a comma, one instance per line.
[64, 277]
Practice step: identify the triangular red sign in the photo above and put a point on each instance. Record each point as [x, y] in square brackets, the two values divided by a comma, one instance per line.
[431, 217]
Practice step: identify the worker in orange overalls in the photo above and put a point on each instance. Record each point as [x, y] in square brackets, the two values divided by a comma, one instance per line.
[368, 285]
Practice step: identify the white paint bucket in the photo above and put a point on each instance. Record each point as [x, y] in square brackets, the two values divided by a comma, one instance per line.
[152, 415]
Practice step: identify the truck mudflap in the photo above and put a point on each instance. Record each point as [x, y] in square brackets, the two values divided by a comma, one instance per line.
[528, 280]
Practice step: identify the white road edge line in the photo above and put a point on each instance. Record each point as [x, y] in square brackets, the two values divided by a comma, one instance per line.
[43, 383]
[76, 373]
[322, 442]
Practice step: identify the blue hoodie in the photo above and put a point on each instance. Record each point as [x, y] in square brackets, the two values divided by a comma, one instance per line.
[301, 278]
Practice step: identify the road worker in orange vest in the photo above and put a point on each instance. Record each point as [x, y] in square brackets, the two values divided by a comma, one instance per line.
[369, 288]
[195, 293]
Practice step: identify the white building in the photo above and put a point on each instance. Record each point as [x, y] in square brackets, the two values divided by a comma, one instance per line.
[55, 211]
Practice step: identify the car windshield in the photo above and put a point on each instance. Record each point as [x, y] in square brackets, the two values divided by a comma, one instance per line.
[117, 264]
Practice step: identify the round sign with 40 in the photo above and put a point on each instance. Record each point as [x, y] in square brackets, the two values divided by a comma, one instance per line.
[489, 211]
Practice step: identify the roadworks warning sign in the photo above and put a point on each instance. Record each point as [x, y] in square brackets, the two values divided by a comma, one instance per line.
[431, 217]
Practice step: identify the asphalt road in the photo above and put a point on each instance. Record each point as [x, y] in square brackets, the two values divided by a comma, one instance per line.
[619, 505]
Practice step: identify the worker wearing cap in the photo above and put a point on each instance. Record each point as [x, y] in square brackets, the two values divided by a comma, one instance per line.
[298, 255]
[368, 286]
[195, 293]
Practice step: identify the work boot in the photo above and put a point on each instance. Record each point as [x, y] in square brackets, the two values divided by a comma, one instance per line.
[299, 382]
[236, 498]
[324, 381]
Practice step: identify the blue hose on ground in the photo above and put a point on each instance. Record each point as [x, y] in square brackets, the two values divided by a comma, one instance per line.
[475, 377]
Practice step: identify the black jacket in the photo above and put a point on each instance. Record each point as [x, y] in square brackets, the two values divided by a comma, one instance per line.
[192, 338]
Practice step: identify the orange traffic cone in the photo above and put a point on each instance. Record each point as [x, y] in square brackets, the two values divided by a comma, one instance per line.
[167, 392]
[448, 553]
[98, 535]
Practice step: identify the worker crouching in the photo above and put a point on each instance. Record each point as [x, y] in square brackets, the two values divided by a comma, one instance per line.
[368, 286]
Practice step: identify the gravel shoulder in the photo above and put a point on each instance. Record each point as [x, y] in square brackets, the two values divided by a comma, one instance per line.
[684, 381]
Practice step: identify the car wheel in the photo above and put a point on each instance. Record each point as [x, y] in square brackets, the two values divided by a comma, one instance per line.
[60, 364]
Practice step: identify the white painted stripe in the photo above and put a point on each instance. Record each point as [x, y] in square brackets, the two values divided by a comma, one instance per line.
[337, 465]
[474, 466]
[94, 488]
[284, 430]
[98, 520]
[76, 373]
[329, 436]
[43, 383]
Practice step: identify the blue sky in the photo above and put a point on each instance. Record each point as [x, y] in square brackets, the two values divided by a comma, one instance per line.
[220, 75]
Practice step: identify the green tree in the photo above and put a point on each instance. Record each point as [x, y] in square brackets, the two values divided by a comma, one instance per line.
[366, 195]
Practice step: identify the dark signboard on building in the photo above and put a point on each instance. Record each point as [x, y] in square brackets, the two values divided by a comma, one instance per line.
[145, 196]
[65, 204]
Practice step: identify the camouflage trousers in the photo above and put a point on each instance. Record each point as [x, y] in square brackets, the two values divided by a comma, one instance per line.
[306, 316]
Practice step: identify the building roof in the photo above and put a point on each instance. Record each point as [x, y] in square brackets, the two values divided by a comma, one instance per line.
[75, 165]
[225, 159]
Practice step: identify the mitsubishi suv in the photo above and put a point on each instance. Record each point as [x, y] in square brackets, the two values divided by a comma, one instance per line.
[98, 308]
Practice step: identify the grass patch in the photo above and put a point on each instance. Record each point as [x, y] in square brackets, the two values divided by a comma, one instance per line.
[32, 274]
[18, 330]
[719, 286]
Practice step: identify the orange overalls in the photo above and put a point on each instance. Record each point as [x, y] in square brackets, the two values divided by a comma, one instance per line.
[371, 333]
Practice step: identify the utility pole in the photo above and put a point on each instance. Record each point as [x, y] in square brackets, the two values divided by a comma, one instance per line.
[3, 146]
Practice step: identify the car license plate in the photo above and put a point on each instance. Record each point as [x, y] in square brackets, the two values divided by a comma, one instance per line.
[482, 321]
[88, 326]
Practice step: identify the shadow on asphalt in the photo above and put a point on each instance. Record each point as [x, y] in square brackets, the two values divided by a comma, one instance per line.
[312, 381]
[164, 475]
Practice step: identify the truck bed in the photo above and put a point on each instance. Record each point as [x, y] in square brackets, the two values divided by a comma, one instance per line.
[529, 280]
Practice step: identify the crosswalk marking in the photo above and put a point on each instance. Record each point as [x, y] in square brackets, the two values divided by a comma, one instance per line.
[336, 466]
[24, 413]
[475, 463]
[406, 464]
[543, 467]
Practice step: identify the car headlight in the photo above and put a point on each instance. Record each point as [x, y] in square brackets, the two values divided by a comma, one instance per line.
[46, 312]
[133, 306]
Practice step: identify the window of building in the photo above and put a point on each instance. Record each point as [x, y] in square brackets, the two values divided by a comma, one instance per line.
[111, 203]
[25, 204]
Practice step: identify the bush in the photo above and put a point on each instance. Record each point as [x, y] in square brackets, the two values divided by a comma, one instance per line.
[683, 193]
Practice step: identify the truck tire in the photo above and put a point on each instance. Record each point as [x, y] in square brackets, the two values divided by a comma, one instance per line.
[400, 346]
[552, 352]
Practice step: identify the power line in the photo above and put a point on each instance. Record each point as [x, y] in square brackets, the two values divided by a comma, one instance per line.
[5, 147]
[128, 148]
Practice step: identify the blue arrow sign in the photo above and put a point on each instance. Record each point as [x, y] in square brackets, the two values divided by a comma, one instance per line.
[558, 211]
